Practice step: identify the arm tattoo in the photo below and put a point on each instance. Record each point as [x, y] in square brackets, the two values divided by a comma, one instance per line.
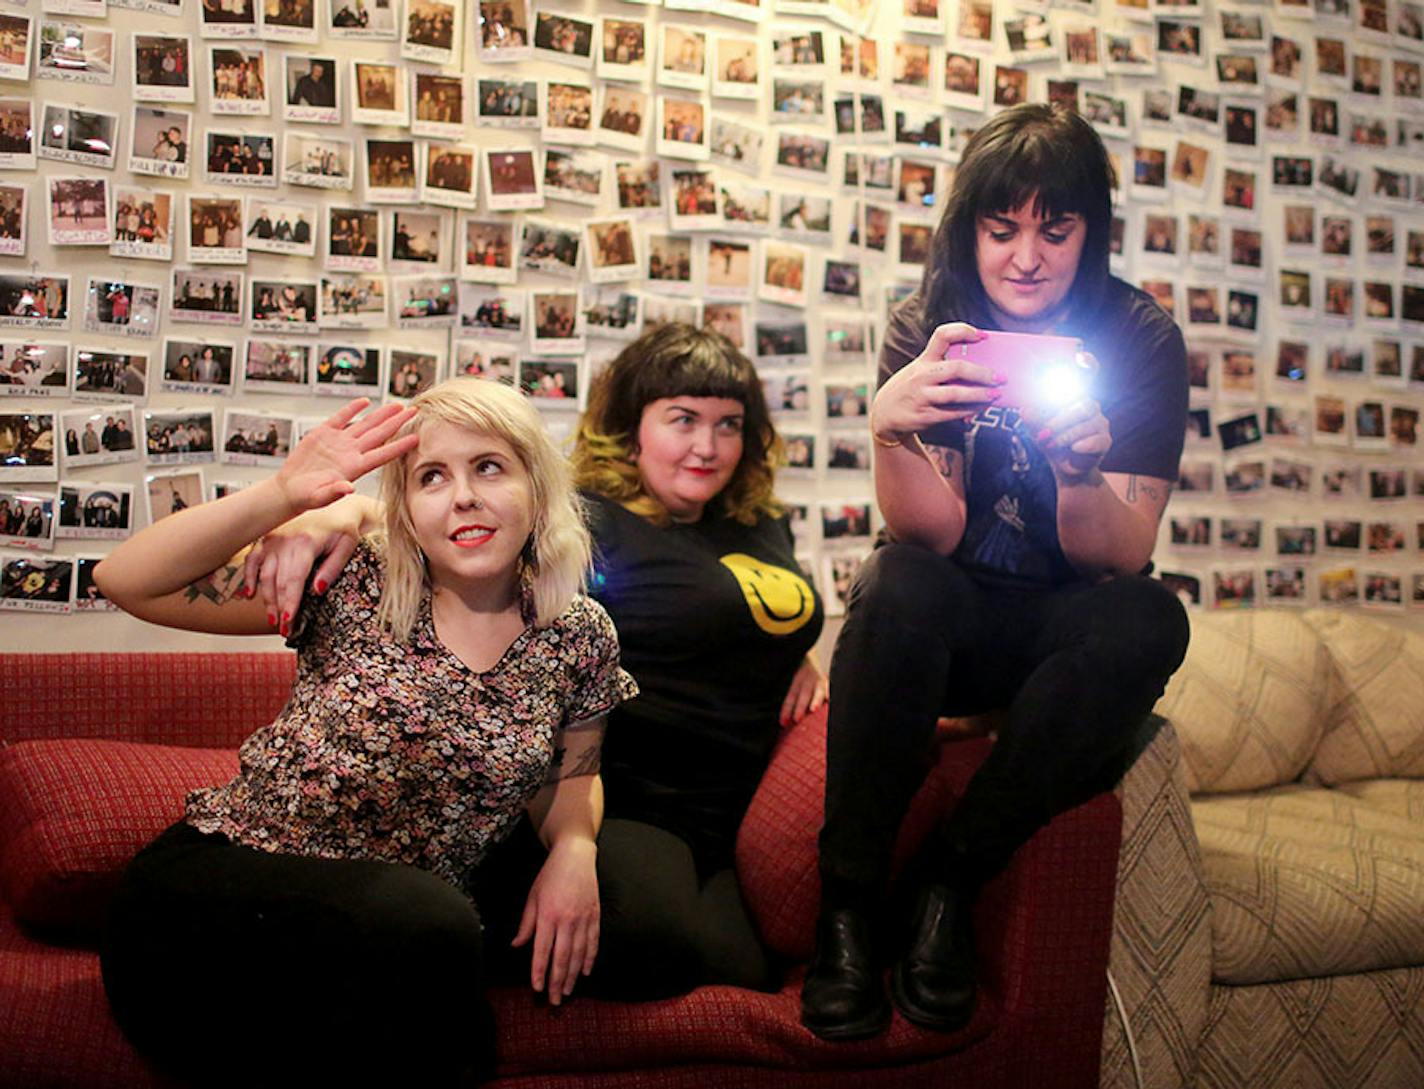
[942, 458]
[579, 750]
[220, 587]
[1134, 484]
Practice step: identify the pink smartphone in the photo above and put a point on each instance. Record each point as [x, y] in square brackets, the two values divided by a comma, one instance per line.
[1044, 372]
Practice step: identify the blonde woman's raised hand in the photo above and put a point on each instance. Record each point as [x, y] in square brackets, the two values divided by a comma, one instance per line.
[336, 453]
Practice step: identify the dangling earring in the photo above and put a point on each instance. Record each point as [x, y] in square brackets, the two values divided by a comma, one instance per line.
[528, 569]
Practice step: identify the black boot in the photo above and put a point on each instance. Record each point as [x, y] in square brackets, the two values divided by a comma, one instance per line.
[843, 997]
[933, 985]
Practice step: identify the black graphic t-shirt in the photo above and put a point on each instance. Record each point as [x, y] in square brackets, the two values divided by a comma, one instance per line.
[1011, 533]
[713, 618]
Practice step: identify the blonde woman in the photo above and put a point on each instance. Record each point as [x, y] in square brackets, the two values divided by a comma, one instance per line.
[328, 915]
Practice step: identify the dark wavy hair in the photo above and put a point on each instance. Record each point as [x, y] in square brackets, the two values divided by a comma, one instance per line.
[675, 360]
[1033, 152]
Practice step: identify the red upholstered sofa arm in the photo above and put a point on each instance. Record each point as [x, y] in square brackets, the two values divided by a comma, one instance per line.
[209, 700]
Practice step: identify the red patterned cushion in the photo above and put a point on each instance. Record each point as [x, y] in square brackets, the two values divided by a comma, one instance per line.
[73, 812]
[776, 845]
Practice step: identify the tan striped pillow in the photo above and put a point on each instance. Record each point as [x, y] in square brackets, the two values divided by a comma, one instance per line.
[1248, 702]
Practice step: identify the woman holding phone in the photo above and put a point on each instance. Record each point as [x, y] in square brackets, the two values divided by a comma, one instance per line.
[1014, 574]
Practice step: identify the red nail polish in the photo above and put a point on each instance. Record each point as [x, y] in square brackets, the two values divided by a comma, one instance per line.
[1045, 435]
[271, 620]
[320, 586]
[1000, 377]
[286, 617]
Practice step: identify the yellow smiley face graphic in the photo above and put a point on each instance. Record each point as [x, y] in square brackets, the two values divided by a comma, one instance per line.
[780, 600]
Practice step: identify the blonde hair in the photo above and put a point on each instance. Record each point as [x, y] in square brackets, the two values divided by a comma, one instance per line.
[675, 360]
[558, 552]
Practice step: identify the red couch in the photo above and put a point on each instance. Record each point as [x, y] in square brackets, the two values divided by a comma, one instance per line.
[97, 750]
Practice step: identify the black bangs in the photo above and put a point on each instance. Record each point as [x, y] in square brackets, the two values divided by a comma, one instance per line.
[677, 360]
[1036, 170]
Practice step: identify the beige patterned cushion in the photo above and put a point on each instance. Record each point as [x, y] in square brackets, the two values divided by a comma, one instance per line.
[1248, 701]
[1402, 797]
[1309, 882]
[1375, 725]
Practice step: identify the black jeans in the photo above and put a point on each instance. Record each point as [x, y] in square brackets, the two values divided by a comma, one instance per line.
[1078, 668]
[671, 921]
[228, 965]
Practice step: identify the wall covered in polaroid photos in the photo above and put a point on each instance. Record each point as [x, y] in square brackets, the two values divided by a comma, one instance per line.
[219, 218]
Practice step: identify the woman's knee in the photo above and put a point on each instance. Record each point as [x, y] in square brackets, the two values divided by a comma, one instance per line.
[907, 582]
[1145, 626]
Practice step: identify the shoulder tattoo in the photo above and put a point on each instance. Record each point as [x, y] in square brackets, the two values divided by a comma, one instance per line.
[943, 458]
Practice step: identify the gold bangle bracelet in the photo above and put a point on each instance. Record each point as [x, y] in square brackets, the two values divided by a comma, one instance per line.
[885, 443]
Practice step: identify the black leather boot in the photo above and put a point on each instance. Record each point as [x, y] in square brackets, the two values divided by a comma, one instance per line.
[843, 997]
[933, 985]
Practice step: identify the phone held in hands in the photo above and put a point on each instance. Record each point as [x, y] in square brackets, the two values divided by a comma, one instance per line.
[1044, 373]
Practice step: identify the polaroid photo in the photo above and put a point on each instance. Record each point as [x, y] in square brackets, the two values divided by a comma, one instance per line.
[206, 296]
[1387, 363]
[162, 68]
[159, 141]
[30, 369]
[554, 383]
[1160, 238]
[13, 227]
[1378, 304]
[613, 250]
[32, 584]
[1295, 299]
[661, 310]
[1189, 532]
[288, 20]
[785, 343]
[1238, 73]
[1411, 306]
[418, 240]
[567, 116]
[87, 137]
[238, 80]
[1246, 254]
[1403, 426]
[485, 359]
[360, 20]
[1010, 85]
[736, 145]
[1387, 484]
[730, 268]
[17, 134]
[1338, 302]
[493, 311]
[1197, 477]
[782, 273]
[1394, 187]
[311, 89]
[922, 17]
[348, 370]
[78, 211]
[1198, 109]
[910, 74]
[487, 250]
[102, 374]
[623, 118]
[507, 103]
[682, 58]
[1383, 590]
[1203, 240]
[1066, 93]
[198, 366]
[1241, 124]
[215, 230]
[802, 155]
[838, 573]
[88, 598]
[847, 452]
[433, 32]
[75, 52]
[1345, 360]
[847, 401]
[439, 105]
[353, 300]
[276, 366]
[1370, 431]
[555, 322]
[1330, 424]
[413, 372]
[252, 438]
[279, 225]
[682, 128]
[1285, 585]
[563, 39]
[230, 19]
[1180, 42]
[1239, 534]
[846, 340]
[1244, 479]
[964, 81]
[1367, 130]
[575, 175]
[513, 179]
[670, 265]
[692, 199]
[284, 306]
[798, 101]
[322, 162]
[613, 312]
[27, 447]
[731, 319]
[121, 308]
[244, 160]
[169, 492]
[736, 67]
[95, 511]
[1288, 425]
[1149, 172]
[17, 36]
[638, 185]
[1323, 121]
[623, 50]
[549, 246]
[912, 248]
[425, 302]
[179, 436]
[1129, 51]
[800, 449]
[504, 35]
[101, 435]
[1029, 37]
[1291, 477]
[378, 92]
[870, 119]
[392, 170]
[451, 175]
[142, 223]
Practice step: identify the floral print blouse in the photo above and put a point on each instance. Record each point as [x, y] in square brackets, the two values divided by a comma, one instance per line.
[400, 752]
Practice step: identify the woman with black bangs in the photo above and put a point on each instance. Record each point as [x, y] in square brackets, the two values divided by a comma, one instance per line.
[1013, 576]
